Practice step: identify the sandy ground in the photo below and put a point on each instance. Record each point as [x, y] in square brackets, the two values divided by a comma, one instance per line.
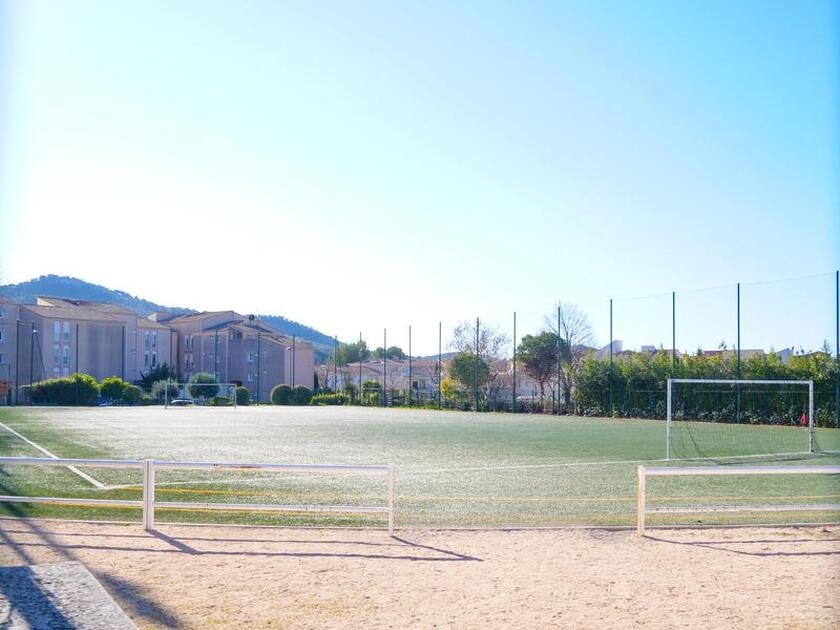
[201, 576]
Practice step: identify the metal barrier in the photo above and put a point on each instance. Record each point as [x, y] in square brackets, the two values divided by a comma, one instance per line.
[148, 504]
[644, 473]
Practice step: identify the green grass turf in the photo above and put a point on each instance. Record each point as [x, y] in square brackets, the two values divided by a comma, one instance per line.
[453, 468]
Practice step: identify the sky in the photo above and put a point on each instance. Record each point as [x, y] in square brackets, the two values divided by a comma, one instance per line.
[357, 166]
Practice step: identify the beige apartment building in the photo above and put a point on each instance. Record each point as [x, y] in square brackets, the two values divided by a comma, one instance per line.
[240, 349]
[57, 337]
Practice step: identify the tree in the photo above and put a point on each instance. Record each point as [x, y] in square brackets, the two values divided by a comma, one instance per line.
[394, 352]
[301, 395]
[466, 368]
[281, 395]
[112, 388]
[162, 372]
[243, 396]
[538, 356]
[572, 325]
[353, 352]
[163, 390]
[203, 385]
[490, 349]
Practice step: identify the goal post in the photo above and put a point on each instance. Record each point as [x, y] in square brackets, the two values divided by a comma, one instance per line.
[695, 417]
[206, 394]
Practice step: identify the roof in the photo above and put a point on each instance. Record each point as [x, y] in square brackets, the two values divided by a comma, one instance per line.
[197, 317]
[73, 312]
[144, 322]
[87, 304]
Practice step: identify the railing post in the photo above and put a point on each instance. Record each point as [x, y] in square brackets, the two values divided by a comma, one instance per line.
[811, 420]
[391, 492]
[668, 419]
[640, 503]
[148, 494]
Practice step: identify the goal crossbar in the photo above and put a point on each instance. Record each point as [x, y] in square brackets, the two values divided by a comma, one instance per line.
[725, 381]
[644, 473]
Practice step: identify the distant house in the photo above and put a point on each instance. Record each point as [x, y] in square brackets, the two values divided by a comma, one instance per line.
[746, 353]
[421, 376]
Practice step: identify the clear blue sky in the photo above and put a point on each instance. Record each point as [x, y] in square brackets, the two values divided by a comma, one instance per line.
[361, 165]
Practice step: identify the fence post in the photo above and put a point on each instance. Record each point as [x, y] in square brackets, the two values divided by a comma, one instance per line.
[640, 503]
[811, 419]
[148, 494]
[391, 492]
[668, 419]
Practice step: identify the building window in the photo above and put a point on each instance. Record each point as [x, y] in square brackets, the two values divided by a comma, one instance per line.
[56, 331]
[146, 359]
[1, 312]
[252, 357]
[154, 359]
[66, 332]
[1, 335]
[146, 342]
[56, 354]
[251, 377]
[1, 358]
[154, 340]
[65, 357]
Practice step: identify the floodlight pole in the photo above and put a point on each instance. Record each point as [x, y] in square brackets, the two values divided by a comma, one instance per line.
[440, 362]
[558, 359]
[360, 367]
[384, 367]
[409, 365]
[738, 359]
[837, 349]
[513, 394]
[610, 387]
[477, 359]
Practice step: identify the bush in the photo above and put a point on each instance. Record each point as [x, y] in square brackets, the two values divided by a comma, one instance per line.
[302, 395]
[162, 372]
[112, 388]
[220, 401]
[163, 390]
[281, 395]
[329, 399]
[77, 389]
[243, 395]
[131, 394]
[202, 385]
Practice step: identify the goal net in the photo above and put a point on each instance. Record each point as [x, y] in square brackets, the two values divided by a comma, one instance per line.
[207, 394]
[730, 418]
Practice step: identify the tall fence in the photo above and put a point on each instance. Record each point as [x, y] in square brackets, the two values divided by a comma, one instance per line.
[623, 354]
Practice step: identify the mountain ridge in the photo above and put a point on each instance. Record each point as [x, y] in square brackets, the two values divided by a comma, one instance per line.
[76, 289]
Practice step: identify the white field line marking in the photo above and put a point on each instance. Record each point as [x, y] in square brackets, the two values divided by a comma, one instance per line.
[73, 469]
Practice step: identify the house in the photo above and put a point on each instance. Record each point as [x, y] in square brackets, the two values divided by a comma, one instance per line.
[421, 375]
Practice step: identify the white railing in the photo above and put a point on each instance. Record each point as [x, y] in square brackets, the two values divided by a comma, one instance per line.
[149, 503]
[644, 473]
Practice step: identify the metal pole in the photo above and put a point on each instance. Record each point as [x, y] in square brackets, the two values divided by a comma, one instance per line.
[477, 359]
[559, 368]
[673, 331]
[738, 360]
[409, 365]
[360, 367]
[513, 395]
[294, 352]
[384, 366]
[17, 360]
[668, 420]
[123, 353]
[335, 364]
[811, 443]
[837, 349]
[31, 358]
[259, 370]
[440, 362]
[610, 385]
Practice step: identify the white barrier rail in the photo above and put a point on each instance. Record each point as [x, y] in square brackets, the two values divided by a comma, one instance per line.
[149, 467]
[644, 473]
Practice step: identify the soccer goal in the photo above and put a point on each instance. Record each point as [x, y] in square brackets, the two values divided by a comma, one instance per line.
[729, 418]
[205, 394]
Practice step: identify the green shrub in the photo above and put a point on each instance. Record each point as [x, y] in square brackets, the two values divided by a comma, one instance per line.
[302, 395]
[281, 395]
[112, 388]
[163, 390]
[77, 389]
[131, 394]
[220, 401]
[329, 399]
[243, 395]
[201, 385]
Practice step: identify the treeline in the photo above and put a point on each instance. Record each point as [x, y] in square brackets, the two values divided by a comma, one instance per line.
[638, 385]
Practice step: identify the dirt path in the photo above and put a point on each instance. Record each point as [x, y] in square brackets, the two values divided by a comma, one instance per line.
[202, 576]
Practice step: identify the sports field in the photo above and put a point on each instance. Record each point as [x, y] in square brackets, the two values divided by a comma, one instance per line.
[452, 468]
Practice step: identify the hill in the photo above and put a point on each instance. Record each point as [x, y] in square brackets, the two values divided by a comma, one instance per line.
[76, 289]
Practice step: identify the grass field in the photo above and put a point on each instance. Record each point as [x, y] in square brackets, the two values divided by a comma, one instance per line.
[453, 468]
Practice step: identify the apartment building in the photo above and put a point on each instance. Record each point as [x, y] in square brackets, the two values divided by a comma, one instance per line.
[240, 349]
[421, 376]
